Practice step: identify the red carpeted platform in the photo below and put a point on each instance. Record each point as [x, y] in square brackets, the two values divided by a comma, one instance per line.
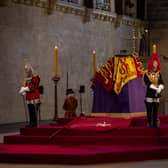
[87, 140]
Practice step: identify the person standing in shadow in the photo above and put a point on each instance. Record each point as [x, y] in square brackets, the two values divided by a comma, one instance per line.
[70, 104]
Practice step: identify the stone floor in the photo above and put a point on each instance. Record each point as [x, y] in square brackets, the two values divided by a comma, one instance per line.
[142, 164]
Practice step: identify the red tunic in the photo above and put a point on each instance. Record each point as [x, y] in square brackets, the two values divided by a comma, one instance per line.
[33, 85]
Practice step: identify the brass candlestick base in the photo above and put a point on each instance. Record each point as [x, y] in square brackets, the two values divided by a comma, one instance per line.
[55, 119]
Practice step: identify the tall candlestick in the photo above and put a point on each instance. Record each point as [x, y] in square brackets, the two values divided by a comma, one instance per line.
[154, 48]
[55, 61]
[56, 79]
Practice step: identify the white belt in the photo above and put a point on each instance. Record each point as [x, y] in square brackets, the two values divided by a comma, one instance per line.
[151, 100]
[34, 101]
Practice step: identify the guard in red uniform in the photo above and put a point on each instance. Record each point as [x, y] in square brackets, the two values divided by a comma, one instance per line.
[70, 104]
[30, 89]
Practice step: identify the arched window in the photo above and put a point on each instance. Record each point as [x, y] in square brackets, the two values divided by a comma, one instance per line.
[103, 5]
[130, 8]
[126, 7]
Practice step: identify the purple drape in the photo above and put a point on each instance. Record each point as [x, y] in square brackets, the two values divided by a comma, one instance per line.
[130, 100]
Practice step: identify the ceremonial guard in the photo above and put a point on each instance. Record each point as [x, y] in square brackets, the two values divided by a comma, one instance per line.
[154, 86]
[70, 104]
[30, 89]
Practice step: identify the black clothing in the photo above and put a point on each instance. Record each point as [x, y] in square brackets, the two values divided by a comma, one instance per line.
[152, 97]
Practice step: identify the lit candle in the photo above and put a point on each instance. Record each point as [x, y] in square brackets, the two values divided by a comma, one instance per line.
[94, 62]
[55, 60]
[154, 48]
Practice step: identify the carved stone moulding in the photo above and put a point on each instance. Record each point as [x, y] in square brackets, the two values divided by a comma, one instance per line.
[52, 5]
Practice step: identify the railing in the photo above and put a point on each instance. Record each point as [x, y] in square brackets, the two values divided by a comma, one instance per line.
[98, 4]
[71, 1]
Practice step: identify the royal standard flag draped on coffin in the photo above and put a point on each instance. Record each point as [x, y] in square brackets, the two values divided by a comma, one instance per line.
[118, 71]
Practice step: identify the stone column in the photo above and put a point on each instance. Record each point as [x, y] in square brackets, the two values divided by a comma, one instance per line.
[80, 3]
[112, 6]
[94, 4]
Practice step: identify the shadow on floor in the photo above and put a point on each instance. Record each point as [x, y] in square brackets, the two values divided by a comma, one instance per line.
[15, 127]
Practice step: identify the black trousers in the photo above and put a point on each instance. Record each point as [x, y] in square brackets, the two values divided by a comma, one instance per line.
[152, 113]
[32, 115]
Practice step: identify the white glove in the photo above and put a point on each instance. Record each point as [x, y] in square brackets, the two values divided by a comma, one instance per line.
[24, 93]
[23, 89]
[160, 88]
[152, 86]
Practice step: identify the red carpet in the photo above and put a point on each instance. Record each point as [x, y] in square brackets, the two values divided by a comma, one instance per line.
[98, 123]
[87, 140]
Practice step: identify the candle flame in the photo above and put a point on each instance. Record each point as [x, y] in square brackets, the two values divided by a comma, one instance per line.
[94, 52]
[55, 48]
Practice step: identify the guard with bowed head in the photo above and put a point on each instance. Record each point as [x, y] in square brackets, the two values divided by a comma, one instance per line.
[30, 90]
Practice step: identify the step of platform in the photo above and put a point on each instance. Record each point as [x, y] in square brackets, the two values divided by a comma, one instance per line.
[131, 131]
[83, 140]
[91, 154]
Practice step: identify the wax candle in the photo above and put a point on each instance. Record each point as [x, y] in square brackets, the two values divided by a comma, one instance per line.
[94, 62]
[55, 60]
[154, 48]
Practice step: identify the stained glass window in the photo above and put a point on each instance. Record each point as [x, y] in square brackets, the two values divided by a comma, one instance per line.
[103, 5]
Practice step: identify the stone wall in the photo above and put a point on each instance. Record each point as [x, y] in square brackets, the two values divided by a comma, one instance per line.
[157, 10]
[28, 32]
